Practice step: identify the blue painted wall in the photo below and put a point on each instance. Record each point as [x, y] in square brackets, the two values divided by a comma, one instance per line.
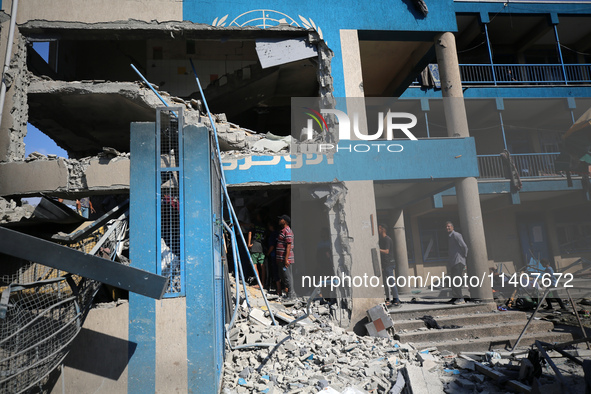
[204, 312]
[419, 160]
[328, 17]
[142, 252]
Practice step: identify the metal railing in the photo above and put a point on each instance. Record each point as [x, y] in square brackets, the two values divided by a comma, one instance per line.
[529, 165]
[525, 74]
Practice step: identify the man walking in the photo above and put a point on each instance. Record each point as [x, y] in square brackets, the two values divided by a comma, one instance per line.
[285, 256]
[388, 266]
[458, 251]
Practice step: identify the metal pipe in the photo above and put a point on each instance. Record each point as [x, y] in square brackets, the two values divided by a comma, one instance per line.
[151, 87]
[530, 319]
[503, 130]
[237, 276]
[572, 303]
[225, 189]
[492, 65]
[560, 55]
[8, 56]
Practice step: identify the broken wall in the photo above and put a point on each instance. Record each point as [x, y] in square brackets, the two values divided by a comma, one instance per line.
[15, 114]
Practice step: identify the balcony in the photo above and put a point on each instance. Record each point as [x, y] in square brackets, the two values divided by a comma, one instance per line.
[525, 74]
[529, 165]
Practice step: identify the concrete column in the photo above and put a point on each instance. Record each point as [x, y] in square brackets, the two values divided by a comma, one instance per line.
[466, 188]
[360, 201]
[359, 207]
[399, 238]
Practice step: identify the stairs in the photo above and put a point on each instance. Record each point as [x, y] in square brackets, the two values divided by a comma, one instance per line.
[482, 327]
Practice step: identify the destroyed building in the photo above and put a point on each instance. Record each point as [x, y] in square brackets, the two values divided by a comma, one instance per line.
[118, 92]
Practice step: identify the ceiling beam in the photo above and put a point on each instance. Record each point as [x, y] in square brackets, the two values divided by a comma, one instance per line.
[532, 36]
[584, 43]
[466, 37]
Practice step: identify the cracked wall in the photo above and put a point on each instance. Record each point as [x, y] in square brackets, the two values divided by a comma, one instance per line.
[15, 115]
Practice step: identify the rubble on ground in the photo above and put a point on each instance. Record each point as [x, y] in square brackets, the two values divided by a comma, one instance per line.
[317, 356]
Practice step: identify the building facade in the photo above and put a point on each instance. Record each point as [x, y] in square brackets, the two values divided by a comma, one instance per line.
[479, 77]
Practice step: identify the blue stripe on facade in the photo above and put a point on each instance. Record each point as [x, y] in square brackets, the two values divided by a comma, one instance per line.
[541, 7]
[454, 157]
[143, 238]
[502, 187]
[504, 92]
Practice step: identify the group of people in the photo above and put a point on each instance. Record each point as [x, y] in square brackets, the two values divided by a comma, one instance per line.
[271, 249]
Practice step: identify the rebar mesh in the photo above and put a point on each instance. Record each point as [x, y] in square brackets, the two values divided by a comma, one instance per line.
[170, 173]
[45, 311]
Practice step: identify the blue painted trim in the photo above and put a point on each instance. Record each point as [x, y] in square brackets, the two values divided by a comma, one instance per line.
[500, 103]
[142, 315]
[541, 7]
[203, 349]
[515, 199]
[437, 200]
[505, 92]
[503, 187]
[425, 104]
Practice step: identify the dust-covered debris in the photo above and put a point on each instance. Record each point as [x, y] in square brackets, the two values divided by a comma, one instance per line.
[10, 211]
[317, 355]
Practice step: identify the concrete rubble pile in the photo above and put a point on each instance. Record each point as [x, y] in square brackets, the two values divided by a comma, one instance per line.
[317, 356]
[10, 211]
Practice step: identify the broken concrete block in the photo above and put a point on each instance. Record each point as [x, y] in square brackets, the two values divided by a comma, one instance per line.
[377, 328]
[379, 312]
[328, 390]
[467, 384]
[259, 316]
[422, 381]
[465, 364]
[478, 378]
[526, 370]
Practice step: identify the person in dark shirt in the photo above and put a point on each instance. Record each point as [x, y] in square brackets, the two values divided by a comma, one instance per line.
[256, 236]
[285, 255]
[458, 251]
[388, 266]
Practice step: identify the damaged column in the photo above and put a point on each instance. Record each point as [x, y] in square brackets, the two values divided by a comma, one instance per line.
[13, 127]
[359, 207]
[466, 188]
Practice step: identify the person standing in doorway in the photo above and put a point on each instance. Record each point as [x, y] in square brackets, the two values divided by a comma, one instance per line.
[388, 266]
[256, 236]
[458, 251]
[285, 256]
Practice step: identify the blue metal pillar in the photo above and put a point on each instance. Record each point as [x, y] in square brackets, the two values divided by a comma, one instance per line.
[205, 347]
[501, 107]
[142, 238]
[554, 20]
[425, 108]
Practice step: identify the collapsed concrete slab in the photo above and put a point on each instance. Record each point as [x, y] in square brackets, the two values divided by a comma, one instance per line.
[65, 177]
